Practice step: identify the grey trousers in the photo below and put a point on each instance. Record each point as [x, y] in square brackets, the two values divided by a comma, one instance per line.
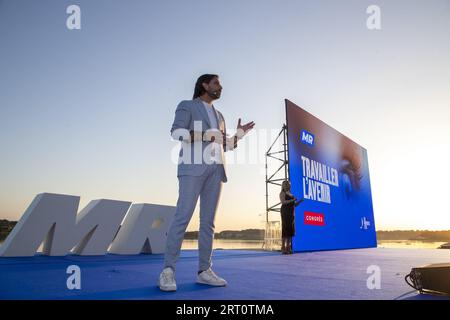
[208, 188]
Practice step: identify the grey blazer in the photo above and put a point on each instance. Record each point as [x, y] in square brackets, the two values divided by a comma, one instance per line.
[186, 113]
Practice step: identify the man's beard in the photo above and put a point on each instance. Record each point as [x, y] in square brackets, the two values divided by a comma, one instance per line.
[214, 94]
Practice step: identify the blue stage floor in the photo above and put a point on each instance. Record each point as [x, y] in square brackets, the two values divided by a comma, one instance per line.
[250, 275]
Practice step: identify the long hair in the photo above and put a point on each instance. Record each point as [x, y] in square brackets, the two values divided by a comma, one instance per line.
[284, 184]
[205, 78]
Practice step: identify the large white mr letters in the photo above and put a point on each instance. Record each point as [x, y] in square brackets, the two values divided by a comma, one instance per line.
[103, 226]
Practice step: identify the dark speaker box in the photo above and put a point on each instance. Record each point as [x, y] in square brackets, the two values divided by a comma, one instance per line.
[433, 278]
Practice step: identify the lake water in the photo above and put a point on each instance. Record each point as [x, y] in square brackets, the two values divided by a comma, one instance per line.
[258, 244]
[226, 244]
[218, 244]
[247, 244]
[409, 244]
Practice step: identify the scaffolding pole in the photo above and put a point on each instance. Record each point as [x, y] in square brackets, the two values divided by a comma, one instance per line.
[273, 233]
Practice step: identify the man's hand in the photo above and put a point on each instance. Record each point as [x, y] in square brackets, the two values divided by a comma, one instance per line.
[243, 129]
[214, 135]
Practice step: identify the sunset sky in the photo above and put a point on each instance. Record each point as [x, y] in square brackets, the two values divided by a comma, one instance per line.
[88, 112]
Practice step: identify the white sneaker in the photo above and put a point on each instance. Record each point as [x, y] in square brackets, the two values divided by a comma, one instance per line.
[210, 278]
[167, 280]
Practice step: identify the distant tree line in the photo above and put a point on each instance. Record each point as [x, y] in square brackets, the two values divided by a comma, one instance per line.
[258, 234]
[247, 234]
[5, 228]
[419, 235]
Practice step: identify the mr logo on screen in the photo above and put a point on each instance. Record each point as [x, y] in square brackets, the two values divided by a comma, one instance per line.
[307, 138]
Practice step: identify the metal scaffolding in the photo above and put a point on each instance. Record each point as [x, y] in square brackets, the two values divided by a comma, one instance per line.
[272, 239]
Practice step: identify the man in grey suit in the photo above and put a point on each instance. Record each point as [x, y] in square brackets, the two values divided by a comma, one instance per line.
[201, 172]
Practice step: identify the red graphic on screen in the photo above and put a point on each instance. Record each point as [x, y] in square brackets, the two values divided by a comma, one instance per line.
[314, 219]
